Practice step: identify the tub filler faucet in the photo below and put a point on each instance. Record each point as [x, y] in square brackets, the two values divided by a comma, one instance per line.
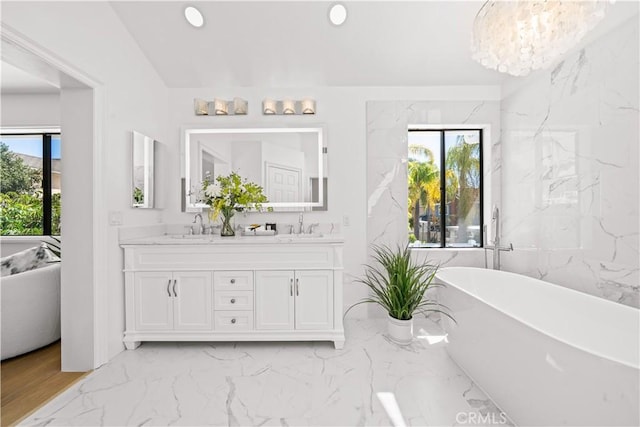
[496, 248]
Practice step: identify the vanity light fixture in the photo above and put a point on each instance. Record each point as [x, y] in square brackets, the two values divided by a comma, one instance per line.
[338, 14]
[269, 106]
[308, 106]
[201, 107]
[240, 106]
[193, 16]
[516, 37]
[220, 107]
[288, 107]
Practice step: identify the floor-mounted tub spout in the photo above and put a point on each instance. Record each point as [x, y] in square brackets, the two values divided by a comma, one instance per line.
[495, 247]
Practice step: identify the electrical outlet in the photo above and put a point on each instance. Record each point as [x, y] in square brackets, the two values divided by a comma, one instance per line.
[115, 218]
[345, 220]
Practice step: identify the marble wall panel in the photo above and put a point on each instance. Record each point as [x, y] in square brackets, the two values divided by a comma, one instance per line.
[570, 180]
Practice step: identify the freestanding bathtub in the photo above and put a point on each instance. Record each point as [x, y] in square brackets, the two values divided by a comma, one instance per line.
[545, 354]
[30, 310]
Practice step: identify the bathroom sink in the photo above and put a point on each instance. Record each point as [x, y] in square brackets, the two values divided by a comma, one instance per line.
[299, 236]
[189, 236]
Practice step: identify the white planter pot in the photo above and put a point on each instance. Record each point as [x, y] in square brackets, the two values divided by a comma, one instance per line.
[400, 331]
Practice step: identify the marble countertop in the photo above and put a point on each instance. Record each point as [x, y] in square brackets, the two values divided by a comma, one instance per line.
[177, 239]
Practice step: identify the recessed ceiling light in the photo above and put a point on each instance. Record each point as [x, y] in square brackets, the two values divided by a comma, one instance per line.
[194, 16]
[338, 14]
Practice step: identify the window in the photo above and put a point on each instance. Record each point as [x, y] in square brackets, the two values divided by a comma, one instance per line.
[30, 184]
[444, 177]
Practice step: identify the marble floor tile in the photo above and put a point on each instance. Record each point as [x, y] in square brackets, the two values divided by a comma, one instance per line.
[372, 381]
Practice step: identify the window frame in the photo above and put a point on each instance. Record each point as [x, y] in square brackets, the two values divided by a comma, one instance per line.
[443, 185]
[46, 136]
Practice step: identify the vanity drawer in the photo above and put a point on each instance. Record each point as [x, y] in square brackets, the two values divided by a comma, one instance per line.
[233, 300]
[233, 280]
[233, 320]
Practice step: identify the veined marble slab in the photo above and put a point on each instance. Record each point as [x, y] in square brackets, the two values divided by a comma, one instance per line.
[570, 170]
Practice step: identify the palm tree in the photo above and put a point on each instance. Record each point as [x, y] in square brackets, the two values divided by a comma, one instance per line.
[463, 159]
[423, 184]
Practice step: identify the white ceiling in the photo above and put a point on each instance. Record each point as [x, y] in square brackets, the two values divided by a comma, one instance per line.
[14, 80]
[293, 44]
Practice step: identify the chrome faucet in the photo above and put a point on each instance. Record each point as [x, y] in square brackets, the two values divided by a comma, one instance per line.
[301, 223]
[496, 248]
[201, 229]
[312, 227]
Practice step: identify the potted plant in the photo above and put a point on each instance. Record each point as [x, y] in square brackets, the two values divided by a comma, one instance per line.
[227, 195]
[398, 284]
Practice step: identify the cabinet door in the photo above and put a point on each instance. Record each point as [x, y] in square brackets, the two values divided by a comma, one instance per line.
[153, 301]
[274, 300]
[314, 299]
[193, 301]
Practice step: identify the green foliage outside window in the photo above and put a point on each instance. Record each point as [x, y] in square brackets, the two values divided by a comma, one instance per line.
[21, 212]
[15, 176]
[459, 196]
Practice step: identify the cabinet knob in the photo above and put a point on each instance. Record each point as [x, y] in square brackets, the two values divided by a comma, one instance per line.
[233, 320]
[233, 281]
[233, 300]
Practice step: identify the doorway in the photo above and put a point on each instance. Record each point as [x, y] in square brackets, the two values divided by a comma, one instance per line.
[83, 308]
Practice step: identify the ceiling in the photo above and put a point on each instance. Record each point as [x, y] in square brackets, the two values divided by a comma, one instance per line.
[14, 80]
[293, 44]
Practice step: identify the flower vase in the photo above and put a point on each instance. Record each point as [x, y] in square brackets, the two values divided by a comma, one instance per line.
[227, 226]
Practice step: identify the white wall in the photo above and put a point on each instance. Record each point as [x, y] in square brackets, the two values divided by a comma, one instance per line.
[76, 225]
[570, 170]
[343, 111]
[247, 160]
[134, 98]
[30, 110]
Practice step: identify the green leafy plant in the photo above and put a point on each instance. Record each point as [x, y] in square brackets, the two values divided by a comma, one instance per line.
[138, 195]
[230, 193]
[21, 209]
[22, 215]
[398, 284]
[15, 175]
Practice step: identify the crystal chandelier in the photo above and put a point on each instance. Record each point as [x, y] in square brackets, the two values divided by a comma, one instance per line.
[518, 36]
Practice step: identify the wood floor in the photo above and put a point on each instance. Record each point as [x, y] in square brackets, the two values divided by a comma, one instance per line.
[30, 380]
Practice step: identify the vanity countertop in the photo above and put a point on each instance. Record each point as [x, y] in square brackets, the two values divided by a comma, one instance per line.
[177, 239]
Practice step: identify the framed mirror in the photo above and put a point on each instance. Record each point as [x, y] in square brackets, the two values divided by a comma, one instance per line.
[289, 164]
[142, 171]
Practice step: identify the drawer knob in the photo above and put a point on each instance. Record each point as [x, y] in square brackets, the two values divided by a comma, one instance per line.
[233, 320]
[233, 300]
[233, 281]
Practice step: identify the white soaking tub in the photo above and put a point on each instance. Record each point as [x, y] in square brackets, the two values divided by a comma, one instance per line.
[30, 303]
[546, 355]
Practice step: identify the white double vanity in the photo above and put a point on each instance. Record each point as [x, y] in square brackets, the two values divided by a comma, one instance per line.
[266, 288]
[255, 288]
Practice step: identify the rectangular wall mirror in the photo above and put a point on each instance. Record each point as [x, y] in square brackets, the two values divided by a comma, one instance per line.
[289, 164]
[142, 171]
